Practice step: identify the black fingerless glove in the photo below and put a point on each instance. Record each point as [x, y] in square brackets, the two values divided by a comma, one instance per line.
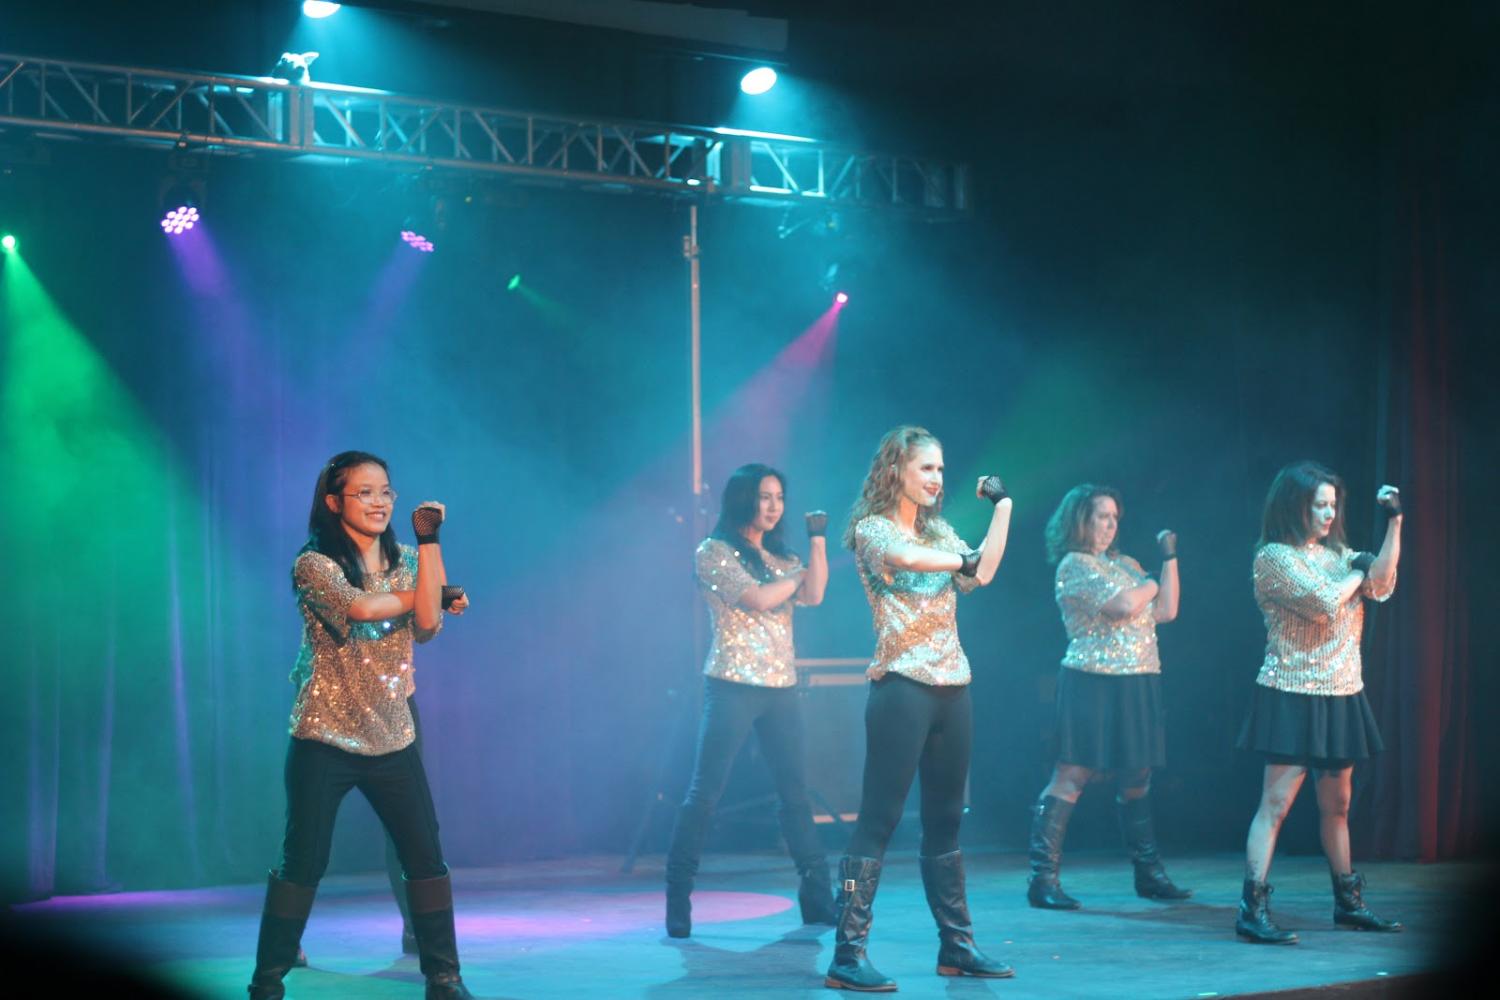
[817, 524]
[425, 521]
[992, 489]
[1362, 562]
[451, 595]
[971, 562]
[1391, 504]
[1168, 546]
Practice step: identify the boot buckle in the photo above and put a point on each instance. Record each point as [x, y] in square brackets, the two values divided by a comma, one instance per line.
[849, 885]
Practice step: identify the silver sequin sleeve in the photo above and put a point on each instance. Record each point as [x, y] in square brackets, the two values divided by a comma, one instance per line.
[1312, 639]
[1098, 644]
[353, 677]
[915, 613]
[749, 646]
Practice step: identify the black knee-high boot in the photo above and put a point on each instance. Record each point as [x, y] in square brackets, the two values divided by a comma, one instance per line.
[1349, 909]
[1049, 824]
[1151, 881]
[683, 854]
[947, 896]
[815, 892]
[282, 920]
[431, 907]
[851, 970]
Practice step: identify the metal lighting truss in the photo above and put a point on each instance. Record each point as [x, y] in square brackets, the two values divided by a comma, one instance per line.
[256, 115]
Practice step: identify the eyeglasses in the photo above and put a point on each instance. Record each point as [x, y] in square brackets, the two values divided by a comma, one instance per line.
[369, 496]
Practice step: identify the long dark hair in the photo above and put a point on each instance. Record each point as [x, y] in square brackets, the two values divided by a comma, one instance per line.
[740, 505]
[325, 531]
[1067, 529]
[1288, 515]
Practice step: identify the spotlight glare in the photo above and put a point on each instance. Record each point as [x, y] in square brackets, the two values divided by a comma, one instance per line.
[319, 8]
[416, 241]
[179, 220]
[758, 80]
[8, 243]
[841, 298]
[513, 283]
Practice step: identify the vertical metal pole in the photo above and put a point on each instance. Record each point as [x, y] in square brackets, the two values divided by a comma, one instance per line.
[690, 251]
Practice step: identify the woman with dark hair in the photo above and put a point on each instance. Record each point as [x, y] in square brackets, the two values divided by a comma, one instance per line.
[364, 601]
[918, 717]
[1109, 715]
[752, 580]
[1309, 710]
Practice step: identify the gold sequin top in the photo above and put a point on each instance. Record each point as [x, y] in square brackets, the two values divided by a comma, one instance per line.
[1096, 644]
[1312, 640]
[916, 624]
[750, 647]
[353, 678]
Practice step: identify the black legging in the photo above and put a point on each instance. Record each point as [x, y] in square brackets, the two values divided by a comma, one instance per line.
[730, 711]
[910, 726]
[392, 859]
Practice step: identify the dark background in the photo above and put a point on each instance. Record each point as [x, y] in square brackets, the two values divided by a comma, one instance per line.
[1206, 240]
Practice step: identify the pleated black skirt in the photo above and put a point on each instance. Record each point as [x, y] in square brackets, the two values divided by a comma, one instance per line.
[1109, 722]
[1310, 729]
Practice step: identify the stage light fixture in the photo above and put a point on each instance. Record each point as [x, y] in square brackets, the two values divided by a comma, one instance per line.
[320, 8]
[8, 243]
[758, 80]
[841, 298]
[416, 241]
[179, 220]
[513, 283]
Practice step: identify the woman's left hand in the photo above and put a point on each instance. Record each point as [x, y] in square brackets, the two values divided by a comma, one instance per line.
[459, 606]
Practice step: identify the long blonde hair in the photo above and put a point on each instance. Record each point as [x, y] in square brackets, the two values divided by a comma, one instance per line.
[882, 487]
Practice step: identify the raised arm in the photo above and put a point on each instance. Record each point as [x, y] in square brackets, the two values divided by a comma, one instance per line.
[815, 580]
[1382, 574]
[992, 549]
[427, 600]
[1170, 587]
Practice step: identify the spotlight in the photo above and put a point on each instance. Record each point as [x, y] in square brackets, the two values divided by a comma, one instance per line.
[758, 80]
[841, 298]
[417, 241]
[513, 283]
[8, 243]
[179, 220]
[320, 8]
[294, 67]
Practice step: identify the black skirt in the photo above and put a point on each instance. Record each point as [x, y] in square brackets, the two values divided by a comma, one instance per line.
[1110, 722]
[1310, 728]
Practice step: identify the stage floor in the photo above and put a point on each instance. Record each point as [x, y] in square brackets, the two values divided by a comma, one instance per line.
[579, 928]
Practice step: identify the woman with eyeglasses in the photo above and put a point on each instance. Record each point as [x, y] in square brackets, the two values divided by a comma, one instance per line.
[919, 717]
[752, 581]
[365, 600]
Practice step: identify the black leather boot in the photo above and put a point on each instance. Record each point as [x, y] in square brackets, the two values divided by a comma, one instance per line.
[1254, 922]
[1349, 909]
[943, 881]
[851, 970]
[430, 903]
[688, 832]
[282, 920]
[1151, 881]
[1049, 824]
[815, 894]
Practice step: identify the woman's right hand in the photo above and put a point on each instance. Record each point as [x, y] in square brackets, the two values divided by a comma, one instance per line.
[425, 520]
[991, 488]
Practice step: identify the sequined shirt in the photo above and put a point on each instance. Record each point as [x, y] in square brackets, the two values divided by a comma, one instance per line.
[749, 646]
[916, 623]
[1098, 644]
[353, 677]
[1312, 640]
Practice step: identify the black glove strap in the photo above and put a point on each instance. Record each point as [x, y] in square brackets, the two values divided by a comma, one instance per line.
[970, 565]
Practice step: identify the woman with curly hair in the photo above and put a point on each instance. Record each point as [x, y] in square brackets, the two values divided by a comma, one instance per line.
[752, 581]
[918, 717]
[1109, 715]
[1309, 711]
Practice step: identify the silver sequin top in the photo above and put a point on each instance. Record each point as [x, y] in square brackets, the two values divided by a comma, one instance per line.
[353, 678]
[1096, 644]
[1312, 641]
[916, 624]
[750, 647]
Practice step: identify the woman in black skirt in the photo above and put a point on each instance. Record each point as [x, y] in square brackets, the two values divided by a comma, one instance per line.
[1309, 710]
[1109, 716]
